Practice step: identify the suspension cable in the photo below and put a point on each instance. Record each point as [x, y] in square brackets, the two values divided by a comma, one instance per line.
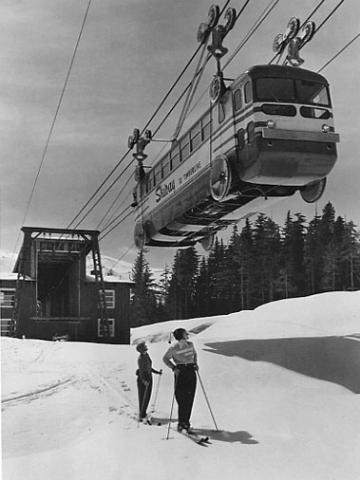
[338, 53]
[329, 16]
[110, 208]
[102, 236]
[126, 154]
[124, 254]
[115, 218]
[199, 72]
[265, 13]
[52, 126]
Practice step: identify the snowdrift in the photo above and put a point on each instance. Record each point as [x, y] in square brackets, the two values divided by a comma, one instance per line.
[282, 381]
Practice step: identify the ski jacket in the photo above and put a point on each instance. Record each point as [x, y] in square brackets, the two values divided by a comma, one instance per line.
[180, 354]
[145, 370]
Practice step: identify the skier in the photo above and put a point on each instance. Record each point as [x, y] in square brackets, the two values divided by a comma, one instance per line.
[144, 380]
[182, 359]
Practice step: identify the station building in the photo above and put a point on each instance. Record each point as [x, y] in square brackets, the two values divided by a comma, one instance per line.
[51, 294]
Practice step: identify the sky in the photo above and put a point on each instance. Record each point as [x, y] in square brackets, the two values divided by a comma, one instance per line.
[282, 382]
[129, 55]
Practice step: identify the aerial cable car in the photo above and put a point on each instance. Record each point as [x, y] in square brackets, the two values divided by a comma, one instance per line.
[267, 134]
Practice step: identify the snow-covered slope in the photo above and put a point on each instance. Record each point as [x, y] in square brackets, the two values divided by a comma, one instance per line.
[282, 380]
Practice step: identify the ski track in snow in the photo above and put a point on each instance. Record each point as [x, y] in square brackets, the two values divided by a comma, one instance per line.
[30, 396]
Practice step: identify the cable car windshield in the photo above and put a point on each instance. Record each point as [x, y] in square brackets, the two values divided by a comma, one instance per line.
[291, 90]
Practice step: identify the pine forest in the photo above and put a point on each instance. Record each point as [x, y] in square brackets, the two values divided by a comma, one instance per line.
[261, 262]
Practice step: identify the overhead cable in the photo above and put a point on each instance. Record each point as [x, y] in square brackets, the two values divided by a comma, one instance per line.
[338, 53]
[126, 154]
[43, 156]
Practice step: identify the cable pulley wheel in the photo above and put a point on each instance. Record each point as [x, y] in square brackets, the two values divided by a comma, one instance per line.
[312, 192]
[220, 178]
[216, 88]
[140, 236]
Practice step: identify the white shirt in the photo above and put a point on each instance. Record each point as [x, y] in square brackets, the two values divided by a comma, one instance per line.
[180, 353]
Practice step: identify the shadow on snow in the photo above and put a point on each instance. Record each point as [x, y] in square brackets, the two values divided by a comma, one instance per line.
[334, 359]
[219, 435]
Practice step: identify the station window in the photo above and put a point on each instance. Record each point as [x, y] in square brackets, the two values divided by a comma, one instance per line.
[248, 92]
[46, 246]
[6, 326]
[237, 99]
[110, 298]
[100, 331]
[7, 297]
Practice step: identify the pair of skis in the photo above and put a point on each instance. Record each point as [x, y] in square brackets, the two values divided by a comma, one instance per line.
[195, 437]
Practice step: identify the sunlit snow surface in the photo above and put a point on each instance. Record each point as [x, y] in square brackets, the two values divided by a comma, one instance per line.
[283, 382]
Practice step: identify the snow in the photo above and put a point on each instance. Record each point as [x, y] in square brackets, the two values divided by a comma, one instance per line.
[282, 381]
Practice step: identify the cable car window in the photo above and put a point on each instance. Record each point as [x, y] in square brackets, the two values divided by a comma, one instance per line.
[311, 112]
[195, 136]
[250, 132]
[221, 112]
[175, 156]
[312, 92]
[185, 147]
[166, 165]
[205, 123]
[237, 99]
[157, 174]
[275, 89]
[248, 92]
[284, 110]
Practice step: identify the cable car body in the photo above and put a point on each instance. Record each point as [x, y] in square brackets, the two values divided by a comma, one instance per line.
[270, 134]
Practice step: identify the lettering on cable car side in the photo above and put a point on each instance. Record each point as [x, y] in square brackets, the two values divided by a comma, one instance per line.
[190, 173]
[163, 190]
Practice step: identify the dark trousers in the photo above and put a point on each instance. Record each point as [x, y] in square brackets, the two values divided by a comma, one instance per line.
[144, 392]
[185, 386]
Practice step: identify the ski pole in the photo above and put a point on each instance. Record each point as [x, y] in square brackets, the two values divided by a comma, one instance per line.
[207, 400]
[170, 417]
[156, 395]
[171, 410]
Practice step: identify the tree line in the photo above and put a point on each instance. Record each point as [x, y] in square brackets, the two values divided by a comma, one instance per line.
[260, 263]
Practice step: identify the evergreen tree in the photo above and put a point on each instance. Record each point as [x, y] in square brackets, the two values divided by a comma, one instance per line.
[245, 255]
[215, 260]
[163, 293]
[202, 294]
[180, 301]
[267, 253]
[233, 268]
[292, 264]
[143, 302]
[313, 252]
